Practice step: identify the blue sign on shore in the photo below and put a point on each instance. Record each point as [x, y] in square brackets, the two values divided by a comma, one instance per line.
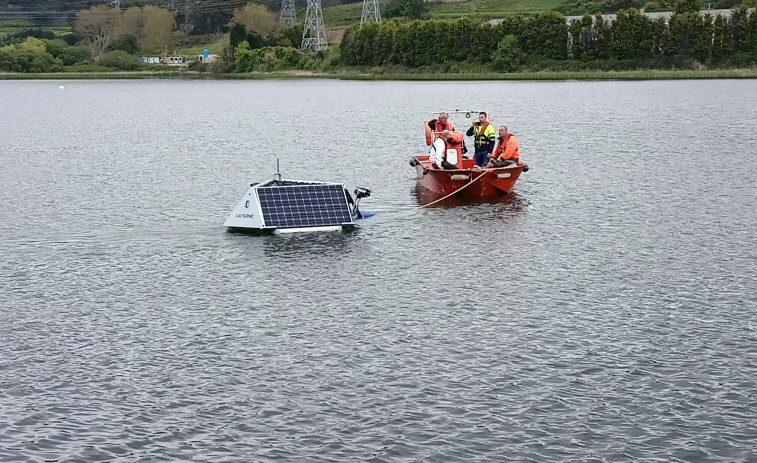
[205, 54]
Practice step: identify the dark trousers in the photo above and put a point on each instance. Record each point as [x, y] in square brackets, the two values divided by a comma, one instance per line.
[481, 157]
[504, 162]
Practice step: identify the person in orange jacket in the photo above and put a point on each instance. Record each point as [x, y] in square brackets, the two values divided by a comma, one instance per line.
[506, 152]
[441, 124]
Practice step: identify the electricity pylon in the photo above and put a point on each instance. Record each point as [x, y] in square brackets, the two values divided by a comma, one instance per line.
[314, 34]
[288, 13]
[371, 12]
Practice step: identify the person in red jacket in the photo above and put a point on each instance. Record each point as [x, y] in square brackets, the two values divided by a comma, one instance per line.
[506, 152]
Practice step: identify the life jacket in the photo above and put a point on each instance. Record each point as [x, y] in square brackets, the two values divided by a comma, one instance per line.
[457, 138]
[453, 152]
[438, 128]
[481, 129]
[441, 126]
[479, 136]
[507, 148]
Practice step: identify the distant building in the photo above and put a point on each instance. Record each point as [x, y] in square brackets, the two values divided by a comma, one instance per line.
[209, 59]
[172, 60]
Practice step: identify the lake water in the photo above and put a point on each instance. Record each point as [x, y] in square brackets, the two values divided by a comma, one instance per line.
[606, 311]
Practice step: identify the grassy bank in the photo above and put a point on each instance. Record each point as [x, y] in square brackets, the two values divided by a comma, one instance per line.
[356, 75]
[574, 75]
[491, 8]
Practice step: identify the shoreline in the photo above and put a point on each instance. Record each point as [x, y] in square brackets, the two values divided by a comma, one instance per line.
[648, 74]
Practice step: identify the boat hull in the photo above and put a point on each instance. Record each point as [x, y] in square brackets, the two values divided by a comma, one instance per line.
[469, 182]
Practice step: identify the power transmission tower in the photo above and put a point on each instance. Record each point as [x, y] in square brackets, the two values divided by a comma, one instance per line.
[288, 13]
[314, 34]
[371, 12]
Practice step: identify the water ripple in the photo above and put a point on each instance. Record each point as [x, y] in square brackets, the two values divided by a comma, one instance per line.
[604, 312]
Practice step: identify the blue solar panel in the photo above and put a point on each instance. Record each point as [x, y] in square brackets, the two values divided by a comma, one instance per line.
[304, 205]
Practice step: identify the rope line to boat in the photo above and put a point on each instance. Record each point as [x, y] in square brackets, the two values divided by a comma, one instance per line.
[455, 192]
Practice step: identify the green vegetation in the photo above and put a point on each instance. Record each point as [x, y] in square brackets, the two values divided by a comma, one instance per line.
[337, 17]
[565, 75]
[270, 59]
[28, 56]
[340, 16]
[539, 42]
[10, 26]
[533, 38]
[213, 49]
[194, 45]
[491, 8]
[120, 60]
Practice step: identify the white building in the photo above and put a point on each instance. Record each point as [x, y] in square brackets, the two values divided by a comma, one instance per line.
[209, 59]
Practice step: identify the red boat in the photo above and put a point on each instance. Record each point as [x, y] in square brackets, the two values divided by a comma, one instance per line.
[466, 181]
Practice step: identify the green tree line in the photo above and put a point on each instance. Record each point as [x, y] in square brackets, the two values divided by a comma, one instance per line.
[548, 37]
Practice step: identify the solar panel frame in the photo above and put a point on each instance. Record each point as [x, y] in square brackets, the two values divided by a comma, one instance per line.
[304, 205]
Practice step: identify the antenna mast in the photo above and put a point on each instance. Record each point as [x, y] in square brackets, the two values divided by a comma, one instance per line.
[371, 12]
[288, 14]
[278, 173]
[314, 34]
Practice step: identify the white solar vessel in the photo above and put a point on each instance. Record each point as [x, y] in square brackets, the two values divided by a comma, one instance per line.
[287, 206]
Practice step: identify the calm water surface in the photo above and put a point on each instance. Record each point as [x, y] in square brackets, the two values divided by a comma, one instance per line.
[606, 311]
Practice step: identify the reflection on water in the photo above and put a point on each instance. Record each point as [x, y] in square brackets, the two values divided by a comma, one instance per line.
[311, 244]
[301, 245]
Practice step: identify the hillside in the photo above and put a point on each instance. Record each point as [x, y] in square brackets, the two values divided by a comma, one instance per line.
[212, 16]
[344, 15]
[216, 13]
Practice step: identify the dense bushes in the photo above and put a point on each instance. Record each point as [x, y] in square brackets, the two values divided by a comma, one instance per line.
[73, 55]
[579, 7]
[20, 37]
[271, 59]
[119, 60]
[29, 56]
[423, 43]
[508, 56]
[20, 60]
[127, 43]
[546, 37]
[40, 56]
[66, 53]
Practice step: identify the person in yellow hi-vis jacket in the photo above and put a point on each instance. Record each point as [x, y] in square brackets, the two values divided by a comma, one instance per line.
[483, 138]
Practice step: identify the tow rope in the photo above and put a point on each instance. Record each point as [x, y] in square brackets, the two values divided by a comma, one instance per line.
[455, 192]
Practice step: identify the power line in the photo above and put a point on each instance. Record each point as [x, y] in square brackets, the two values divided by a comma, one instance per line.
[214, 7]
